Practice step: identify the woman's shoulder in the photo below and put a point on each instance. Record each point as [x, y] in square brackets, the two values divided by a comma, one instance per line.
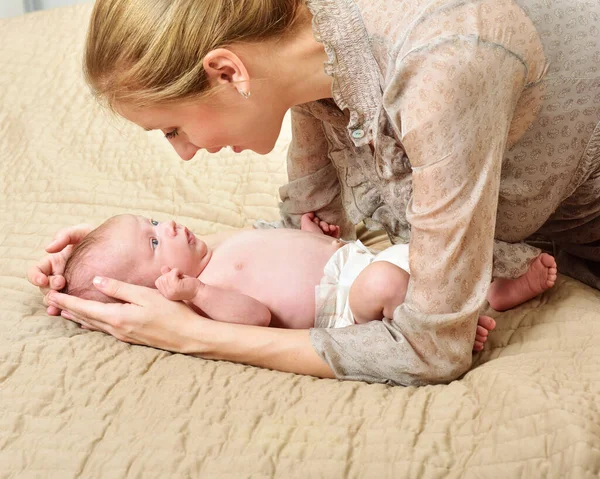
[399, 30]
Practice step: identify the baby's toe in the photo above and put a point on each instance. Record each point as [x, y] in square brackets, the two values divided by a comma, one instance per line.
[548, 260]
[487, 322]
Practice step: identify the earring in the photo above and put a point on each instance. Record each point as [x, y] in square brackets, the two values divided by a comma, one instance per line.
[245, 94]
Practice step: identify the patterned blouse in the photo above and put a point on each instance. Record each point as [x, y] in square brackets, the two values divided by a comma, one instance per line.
[461, 126]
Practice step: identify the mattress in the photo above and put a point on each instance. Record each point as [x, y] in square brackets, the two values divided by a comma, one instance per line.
[79, 404]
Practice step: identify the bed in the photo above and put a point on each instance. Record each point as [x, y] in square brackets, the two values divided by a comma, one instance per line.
[79, 404]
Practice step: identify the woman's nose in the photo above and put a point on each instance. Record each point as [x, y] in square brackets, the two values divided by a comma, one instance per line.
[186, 151]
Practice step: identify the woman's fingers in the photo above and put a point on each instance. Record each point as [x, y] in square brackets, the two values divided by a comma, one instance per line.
[68, 236]
[57, 282]
[61, 241]
[47, 273]
[99, 317]
[126, 292]
[130, 293]
[94, 325]
[75, 308]
[84, 323]
[38, 273]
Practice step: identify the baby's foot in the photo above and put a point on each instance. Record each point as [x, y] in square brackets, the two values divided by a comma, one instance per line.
[484, 326]
[307, 223]
[311, 222]
[507, 293]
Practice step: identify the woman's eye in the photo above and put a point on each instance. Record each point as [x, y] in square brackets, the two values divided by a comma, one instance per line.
[154, 222]
[154, 243]
[171, 134]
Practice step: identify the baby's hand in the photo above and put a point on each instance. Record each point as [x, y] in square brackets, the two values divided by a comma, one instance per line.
[311, 222]
[176, 286]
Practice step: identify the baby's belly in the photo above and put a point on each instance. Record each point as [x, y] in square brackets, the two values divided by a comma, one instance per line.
[281, 271]
[290, 297]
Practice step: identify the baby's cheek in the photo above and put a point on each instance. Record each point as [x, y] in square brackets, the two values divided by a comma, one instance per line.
[189, 266]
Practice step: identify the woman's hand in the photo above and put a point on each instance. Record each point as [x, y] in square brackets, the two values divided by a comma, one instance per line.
[147, 317]
[150, 319]
[47, 273]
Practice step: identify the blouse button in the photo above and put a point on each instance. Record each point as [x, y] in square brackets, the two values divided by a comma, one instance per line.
[358, 134]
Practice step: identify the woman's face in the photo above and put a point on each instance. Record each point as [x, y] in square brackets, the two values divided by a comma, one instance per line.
[224, 119]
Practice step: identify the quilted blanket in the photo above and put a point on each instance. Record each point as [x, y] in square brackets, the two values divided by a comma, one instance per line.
[77, 404]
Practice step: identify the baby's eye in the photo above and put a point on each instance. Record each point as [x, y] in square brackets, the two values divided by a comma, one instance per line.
[154, 243]
[171, 134]
[154, 222]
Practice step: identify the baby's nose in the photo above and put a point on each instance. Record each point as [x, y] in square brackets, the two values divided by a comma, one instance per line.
[170, 228]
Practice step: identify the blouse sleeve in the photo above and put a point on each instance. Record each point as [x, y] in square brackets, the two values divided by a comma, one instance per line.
[313, 181]
[452, 104]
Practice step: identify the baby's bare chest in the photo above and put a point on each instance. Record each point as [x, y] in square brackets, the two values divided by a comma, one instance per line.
[280, 270]
[260, 257]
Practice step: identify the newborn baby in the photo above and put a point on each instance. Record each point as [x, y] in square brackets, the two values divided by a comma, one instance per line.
[283, 278]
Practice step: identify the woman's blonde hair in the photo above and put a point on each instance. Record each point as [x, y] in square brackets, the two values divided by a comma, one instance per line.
[148, 52]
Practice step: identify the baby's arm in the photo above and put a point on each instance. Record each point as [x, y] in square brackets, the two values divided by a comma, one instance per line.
[216, 303]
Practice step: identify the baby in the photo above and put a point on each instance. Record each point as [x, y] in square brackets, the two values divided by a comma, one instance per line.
[283, 278]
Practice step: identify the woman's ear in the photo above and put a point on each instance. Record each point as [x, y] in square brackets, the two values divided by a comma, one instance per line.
[224, 67]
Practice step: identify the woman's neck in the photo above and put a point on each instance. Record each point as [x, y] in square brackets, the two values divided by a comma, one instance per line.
[292, 67]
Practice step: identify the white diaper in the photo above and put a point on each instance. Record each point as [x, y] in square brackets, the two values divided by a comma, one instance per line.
[332, 309]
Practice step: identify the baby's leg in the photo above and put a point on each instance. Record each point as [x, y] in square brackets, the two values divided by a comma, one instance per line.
[507, 293]
[381, 287]
[377, 291]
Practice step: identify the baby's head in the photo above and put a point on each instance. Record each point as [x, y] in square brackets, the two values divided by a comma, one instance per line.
[132, 249]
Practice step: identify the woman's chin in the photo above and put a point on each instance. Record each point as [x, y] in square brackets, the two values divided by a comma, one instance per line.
[263, 150]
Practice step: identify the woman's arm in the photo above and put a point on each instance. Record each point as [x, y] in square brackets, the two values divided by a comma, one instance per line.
[287, 350]
[453, 104]
[150, 319]
[313, 180]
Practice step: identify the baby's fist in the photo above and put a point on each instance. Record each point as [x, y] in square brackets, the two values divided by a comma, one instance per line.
[176, 286]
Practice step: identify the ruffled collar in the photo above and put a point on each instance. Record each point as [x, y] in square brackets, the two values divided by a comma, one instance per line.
[339, 26]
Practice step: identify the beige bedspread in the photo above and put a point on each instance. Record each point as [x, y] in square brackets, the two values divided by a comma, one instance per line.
[81, 404]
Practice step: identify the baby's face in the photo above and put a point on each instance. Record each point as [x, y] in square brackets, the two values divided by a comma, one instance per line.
[149, 245]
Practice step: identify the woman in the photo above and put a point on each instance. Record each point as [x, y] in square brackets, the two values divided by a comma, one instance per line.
[462, 126]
